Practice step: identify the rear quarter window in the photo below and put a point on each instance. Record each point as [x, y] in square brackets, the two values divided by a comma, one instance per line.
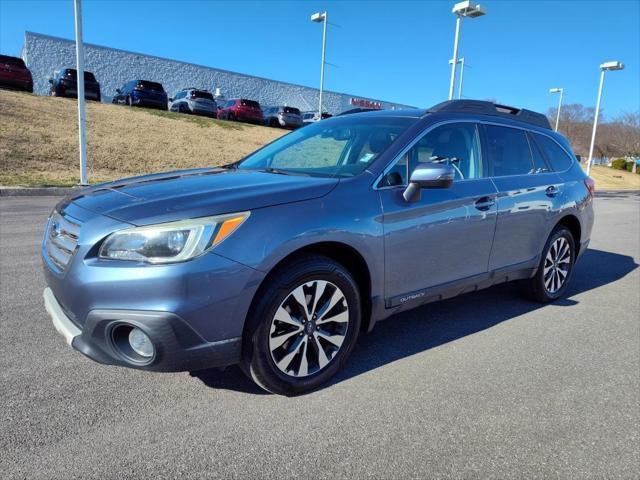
[555, 155]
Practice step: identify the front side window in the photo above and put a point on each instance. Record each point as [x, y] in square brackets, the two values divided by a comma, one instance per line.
[556, 156]
[508, 152]
[342, 147]
[456, 144]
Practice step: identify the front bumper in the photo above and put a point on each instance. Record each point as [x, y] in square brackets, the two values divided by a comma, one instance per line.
[177, 346]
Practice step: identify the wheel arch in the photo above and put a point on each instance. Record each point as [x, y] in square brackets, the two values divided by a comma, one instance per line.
[347, 256]
[573, 224]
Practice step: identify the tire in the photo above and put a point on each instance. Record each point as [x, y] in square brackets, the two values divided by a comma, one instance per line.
[555, 269]
[281, 345]
[273, 123]
[231, 117]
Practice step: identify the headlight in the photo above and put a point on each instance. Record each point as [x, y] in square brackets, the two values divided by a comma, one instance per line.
[171, 242]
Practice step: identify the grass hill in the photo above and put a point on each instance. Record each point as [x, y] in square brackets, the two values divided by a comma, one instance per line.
[39, 140]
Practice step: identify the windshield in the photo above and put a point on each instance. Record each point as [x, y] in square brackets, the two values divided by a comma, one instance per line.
[341, 147]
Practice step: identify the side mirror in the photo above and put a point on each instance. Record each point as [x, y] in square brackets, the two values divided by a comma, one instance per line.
[51, 81]
[118, 90]
[428, 175]
[171, 99]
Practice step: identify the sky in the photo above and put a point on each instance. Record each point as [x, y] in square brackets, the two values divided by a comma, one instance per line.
[396, 51]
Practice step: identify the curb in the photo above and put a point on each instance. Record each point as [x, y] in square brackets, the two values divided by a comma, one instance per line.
[36, 192]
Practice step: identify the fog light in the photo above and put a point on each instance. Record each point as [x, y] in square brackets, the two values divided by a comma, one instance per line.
[140, 343]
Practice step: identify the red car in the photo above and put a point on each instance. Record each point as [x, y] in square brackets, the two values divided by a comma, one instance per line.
[15, 74]
[241, 110]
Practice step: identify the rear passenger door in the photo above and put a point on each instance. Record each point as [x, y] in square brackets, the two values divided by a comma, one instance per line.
[529, 196]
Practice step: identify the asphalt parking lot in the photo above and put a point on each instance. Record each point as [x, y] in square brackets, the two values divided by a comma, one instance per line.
[488, 385]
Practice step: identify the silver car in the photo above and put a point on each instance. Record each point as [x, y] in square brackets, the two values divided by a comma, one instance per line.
[195, 101]
[285, 117]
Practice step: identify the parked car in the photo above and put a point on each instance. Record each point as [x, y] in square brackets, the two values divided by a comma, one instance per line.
[310, 117]
[195, 101]
[14, 74]
[241, 110]
[358, 110]
[141, 93]
[64, 83]
[280, 261]
[282, 116]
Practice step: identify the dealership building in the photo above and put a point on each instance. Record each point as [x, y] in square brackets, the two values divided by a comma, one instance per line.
[112, 67]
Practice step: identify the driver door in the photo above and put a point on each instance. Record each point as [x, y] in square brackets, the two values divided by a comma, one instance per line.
[447, 234]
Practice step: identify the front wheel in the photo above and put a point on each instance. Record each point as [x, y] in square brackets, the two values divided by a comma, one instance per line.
[303, 327]
[556, 266]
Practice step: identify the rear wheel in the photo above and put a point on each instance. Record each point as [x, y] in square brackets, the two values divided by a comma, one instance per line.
[556, 266]
[303, 327]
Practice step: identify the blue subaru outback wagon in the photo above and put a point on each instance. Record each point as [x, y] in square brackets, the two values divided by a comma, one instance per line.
[279, 261]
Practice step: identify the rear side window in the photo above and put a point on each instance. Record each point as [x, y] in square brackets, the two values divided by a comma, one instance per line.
[508, 151]
[13, 61]
[539, 163]
[555, 155]
[291, 110]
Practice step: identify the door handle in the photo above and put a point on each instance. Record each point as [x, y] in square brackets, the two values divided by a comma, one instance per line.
[551, 191]
[485, 203]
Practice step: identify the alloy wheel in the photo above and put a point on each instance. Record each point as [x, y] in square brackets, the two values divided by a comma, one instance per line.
[556, 265]
[309, 328]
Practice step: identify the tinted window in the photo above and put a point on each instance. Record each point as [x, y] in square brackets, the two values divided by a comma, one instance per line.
[291, 110]
[455, 144]
[73, 73]
[154, 86]
[201, 94]
[555, 155]
[14, 61]
[508, 151]
[539, 162]
[249, 103]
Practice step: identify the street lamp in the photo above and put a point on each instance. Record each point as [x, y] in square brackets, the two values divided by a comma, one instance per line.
[462, 9]
[561, 92]
[321, 17]
[603, 68]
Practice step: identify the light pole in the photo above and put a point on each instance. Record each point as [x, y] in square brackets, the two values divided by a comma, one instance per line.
[82, 138]
[561, 92]
[603, 68]
[463, 9]
[461, 78]
[321, 17]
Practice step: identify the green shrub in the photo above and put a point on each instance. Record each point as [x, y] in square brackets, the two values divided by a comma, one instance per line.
[619, 164]
[629, 166]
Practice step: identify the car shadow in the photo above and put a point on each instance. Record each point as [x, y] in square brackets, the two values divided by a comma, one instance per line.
[435, 324]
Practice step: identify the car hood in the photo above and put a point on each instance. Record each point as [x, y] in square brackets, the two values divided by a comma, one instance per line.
[193, 193]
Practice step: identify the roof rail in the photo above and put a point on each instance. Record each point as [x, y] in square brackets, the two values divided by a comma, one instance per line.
[489, 108]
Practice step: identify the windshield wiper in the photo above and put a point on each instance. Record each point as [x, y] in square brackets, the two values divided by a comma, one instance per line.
[273, 170]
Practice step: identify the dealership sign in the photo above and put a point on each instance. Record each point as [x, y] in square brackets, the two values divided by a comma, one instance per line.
[359, 102]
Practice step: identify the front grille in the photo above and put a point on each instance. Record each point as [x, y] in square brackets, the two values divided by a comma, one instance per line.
[61, 239]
